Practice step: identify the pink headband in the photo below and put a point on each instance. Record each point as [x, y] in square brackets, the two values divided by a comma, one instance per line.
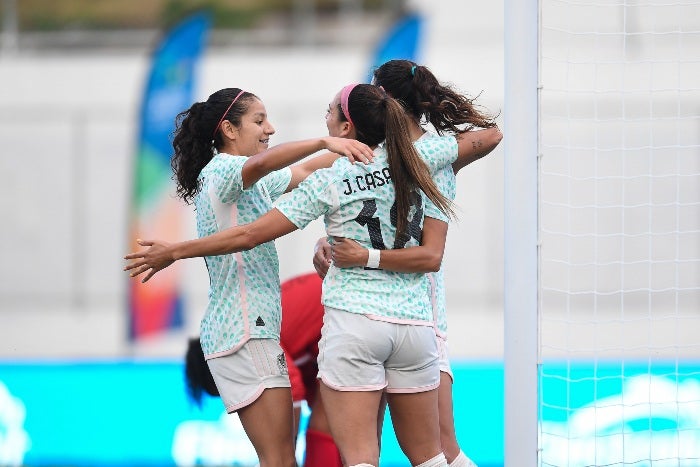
[344, 95]
[227, 109]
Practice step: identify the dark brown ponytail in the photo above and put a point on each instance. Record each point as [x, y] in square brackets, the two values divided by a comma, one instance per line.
[424, 97]
[378, 117]
[196, 136]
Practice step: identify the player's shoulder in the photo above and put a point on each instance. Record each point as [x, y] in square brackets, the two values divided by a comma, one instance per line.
[225, 163]
[430, 139]
[340, 169]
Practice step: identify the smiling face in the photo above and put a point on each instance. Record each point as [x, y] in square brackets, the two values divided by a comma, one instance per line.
[253, 134]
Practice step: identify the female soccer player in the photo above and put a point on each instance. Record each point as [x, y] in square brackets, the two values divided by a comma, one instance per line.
[302, 318]
[223, 166]
[377, 332]
[426, 99]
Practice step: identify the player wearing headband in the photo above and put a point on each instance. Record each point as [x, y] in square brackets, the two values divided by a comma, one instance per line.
[378, 331]
[223, 166]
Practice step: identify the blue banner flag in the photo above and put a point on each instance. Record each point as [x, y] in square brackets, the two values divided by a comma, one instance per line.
[155, 213]
[401, 42]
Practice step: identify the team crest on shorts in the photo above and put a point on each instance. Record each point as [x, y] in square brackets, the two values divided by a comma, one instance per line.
[282, 363]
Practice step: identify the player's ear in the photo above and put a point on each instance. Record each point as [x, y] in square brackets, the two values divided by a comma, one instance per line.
[347, 130]
[229, 130]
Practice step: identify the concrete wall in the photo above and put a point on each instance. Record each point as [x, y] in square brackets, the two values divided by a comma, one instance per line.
[67, 133]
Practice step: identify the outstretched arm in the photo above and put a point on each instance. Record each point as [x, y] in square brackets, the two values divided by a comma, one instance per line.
[424, 258]
[160, 254]
[473, 145]
[285, 154]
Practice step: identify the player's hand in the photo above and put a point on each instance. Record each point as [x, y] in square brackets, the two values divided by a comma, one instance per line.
[348, 253]
[322, 257]
[151, 260]
[350, 148]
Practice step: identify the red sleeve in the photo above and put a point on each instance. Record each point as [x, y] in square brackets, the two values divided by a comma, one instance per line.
[302, 319]
[302, 316]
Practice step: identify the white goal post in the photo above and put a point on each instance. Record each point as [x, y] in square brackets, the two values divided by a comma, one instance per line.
[602, 233]
[520, 232]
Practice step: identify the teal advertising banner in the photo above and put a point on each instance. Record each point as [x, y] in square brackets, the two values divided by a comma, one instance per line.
[136, 413]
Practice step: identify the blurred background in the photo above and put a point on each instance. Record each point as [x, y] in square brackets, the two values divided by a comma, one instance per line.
[72, 81]
[79, 385]
[91, 363]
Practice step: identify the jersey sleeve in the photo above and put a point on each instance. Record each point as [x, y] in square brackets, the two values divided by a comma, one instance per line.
[438, 152]
[433, 211]
[277, 182]
[445, 181]
[310, 200]
[228, 179]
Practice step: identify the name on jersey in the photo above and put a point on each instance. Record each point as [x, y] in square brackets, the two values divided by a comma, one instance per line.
[367, 181]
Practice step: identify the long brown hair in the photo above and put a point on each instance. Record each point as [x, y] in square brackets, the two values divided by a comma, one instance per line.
[379, 117]
[424, 97]
[197, 136]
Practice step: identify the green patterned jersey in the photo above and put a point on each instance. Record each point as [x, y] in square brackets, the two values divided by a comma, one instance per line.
[244, 288]
[447, 184]
[357, 202]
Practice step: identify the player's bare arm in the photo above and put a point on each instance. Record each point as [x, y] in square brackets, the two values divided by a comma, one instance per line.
[473, 145]
[424, 258]
[160, 255]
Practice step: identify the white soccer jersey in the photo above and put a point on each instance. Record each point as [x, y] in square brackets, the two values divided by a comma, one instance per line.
[244, 288]
[357, 202]
[447, 184]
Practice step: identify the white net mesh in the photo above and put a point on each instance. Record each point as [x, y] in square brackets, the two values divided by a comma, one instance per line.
[619, 216]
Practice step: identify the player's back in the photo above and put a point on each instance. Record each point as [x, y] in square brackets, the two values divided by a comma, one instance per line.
[365, 211]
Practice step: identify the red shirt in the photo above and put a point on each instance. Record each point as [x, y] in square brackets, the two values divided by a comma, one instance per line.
[302, 319]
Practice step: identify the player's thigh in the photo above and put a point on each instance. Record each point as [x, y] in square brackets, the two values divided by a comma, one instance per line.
[416, 424]
[269, 423]
[318, 420]
[352, 418]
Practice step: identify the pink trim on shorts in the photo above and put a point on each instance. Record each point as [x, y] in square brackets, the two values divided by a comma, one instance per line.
[414, 390]
[230, 351]
[352, 388]
[250, 400]
[413, 322]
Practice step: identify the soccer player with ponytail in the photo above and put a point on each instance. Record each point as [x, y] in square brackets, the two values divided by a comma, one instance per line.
[222, 165]
[378, 329]
[453, 117]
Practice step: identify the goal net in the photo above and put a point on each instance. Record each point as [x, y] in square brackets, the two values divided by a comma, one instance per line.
[619, 233]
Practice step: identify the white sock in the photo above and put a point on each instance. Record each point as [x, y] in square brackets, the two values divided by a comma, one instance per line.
[361, 465]
[437, 461]
[462, 461]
